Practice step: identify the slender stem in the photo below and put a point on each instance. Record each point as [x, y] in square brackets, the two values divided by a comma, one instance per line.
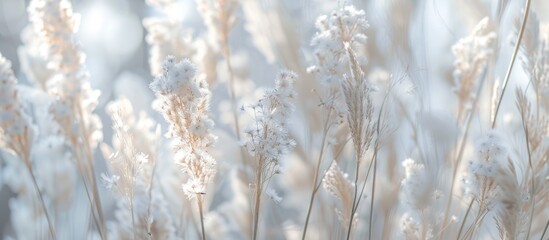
[199, 201]
[465, 218]
[257, 201]
[232, 94]
[313, 193]
[515, 51]
[42, 202]
[358, 157]
[89, 167]
[372, 200]
[533, 194]
[544, 230]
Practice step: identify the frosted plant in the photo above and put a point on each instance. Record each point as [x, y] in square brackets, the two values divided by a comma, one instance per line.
[268, 139]
[338, 185]
[184, 101]
[16, 132]
[345, 26]
[56, 24]
[472, 54]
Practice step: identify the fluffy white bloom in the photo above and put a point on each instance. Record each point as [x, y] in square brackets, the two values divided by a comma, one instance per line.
[491, 154]
[471, 56]
[344, 26]
[416, 184]
[177, 78]
[268, 139]
[474, 50]
[184, 102]
[56, 25]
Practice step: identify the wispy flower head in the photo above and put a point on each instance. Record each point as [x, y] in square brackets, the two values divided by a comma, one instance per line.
[338, 185]
[184, 102]
[472, 54]
[345, 26]
[491, 154]
[268, 138]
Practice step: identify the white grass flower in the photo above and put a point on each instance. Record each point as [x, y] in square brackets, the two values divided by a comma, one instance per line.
[472, 54]
[480, 181]
[268, 138]
[184, 102]
[345, 26]
[338, 185]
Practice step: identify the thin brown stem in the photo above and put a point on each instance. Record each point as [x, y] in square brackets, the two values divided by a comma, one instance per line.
[317, 170]
[544, 230]
[89, 167]
[258, 189]
[465, 218]
[200, 206]
[372, 200]
[42, 202]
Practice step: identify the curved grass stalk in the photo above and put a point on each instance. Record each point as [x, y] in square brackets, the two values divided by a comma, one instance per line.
[511, 64]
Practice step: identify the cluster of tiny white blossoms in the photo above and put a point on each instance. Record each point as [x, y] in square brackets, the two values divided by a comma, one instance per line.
[268, 139]
[15, 127]
[183, 99]
[342, 27]
[491, 154]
